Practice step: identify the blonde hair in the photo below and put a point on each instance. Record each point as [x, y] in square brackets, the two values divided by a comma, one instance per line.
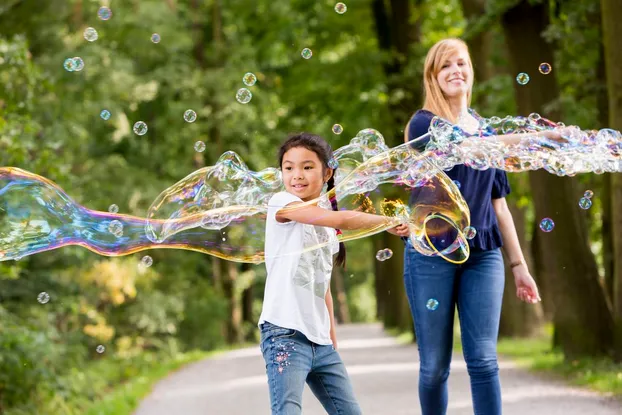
[434, 100]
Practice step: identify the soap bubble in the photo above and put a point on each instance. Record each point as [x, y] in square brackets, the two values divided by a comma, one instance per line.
[115, 227]
[113, 208]
[341, 8]
[140, 128]
[69, 65]
[522, 78]
[155, 38]
[431, 304]
[78, 64]
[384, 254]
[90, 34]
[588, 194]
[333, 163]
[544, 68]
[457, 183]
[43, 297]
[547, 224]
[100, 349]
[470, 232]
[146, 261]
[104, 13]
[585, 203]
[243, 96]
[190, 116]
[105, 115]
[199, 146]
[337, 129]
[306, 53]
[249, 79]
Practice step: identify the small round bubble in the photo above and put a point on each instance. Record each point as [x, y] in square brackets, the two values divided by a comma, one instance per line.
[457, 183]
[547, 224]
[100, 349]
[146, 261]
[115, 227]
[243, 96]
[469, 232]
[306, 53]
[588, 194]
[337, 129]
[190, 116]
[585, 203]
[104, 13]
[155, 38]
[113, 208]
[69, 65]
[199, 146]
[544, 68]
[249, 79]
[43, 298]
[384, 254]
[90, 34]
[522, 78]
[105, 115]
[78, 64]
[333, 163]
[140, 128]
[431, 304]
[341, 8]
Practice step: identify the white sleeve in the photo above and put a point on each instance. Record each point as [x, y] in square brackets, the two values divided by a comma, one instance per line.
[278, 201]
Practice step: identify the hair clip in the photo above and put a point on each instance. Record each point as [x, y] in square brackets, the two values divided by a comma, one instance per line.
[339, 232]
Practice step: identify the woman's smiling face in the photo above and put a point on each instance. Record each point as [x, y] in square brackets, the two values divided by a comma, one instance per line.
[455, 76]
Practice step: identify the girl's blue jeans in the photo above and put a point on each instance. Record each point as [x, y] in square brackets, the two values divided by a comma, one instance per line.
[292, 360]
[434, 288]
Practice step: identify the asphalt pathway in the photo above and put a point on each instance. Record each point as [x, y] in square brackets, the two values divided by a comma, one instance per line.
[384, 375]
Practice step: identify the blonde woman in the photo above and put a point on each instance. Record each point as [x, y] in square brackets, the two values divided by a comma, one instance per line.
[434, 286]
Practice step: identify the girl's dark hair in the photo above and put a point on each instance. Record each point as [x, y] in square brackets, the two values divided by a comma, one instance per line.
[324, 152]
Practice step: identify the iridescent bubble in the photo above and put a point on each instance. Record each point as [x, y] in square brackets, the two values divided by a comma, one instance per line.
[306, 53]
[100, 349]
[431, 304]
[457, 183]
[534, 117]
[140, 128]
[547, 224]
[69, 65]
[333, 163]
[43, 297]
[104, 13]
[113, 208]
[522, 78]
[384, 254]
[78, 64]
[470, 232]
[544, 68]
[105, 115]
[146, 261]
[115, 227]
[90, 34]
[585, 203]
[199, 146]
[249, 79]
[155, 38]
[243, 96]
[341, 8]
[337, 129]
[190, 116]
[588, 194]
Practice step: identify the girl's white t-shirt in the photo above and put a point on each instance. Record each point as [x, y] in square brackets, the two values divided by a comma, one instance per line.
[298, 277]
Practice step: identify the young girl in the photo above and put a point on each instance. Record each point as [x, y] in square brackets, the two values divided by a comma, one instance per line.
[298, 339]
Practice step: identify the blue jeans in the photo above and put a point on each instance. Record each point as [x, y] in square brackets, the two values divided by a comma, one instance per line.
[434, 287]
[291, 360]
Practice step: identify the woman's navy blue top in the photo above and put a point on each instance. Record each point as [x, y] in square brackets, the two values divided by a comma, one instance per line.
[478, 187]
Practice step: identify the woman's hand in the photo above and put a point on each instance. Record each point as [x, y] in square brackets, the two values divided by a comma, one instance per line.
[526, 288]
[400, 230]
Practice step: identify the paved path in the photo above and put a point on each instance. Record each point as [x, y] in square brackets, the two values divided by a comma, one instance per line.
[384, 375]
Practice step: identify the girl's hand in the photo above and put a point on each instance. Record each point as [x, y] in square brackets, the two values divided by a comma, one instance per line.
[333, 337]
[400, 230]
[526, 288]
[556, 135]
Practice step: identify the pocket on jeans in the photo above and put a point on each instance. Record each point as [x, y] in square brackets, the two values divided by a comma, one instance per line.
[273, 332]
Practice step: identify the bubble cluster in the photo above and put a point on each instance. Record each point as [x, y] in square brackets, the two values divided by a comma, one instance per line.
[585, 203]
[341, 8]
[100, 349]
[337, 129]
[306, 53]
[73, 64]
[155, 38]
[522, 78]
[90, 34]
[547, 225]
[104, 13]
[43, 297]
[105, 115]
[243, 96]
[113, 208]
[545, 68]
[199, 146]
[190, 116]
[140, 128]
[384, 254]
[249, 79]
[431, 304]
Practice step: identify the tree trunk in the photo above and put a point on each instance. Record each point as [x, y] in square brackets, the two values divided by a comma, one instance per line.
[611, 13]
[569, 261]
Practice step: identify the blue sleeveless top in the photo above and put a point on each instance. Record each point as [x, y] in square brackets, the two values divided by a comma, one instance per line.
[478, 187]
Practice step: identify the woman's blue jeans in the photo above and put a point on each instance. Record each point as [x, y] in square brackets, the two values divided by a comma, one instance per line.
[434, 288]
[291, 360]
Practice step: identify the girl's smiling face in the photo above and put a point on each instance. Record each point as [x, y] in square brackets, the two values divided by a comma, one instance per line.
[304, 173]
